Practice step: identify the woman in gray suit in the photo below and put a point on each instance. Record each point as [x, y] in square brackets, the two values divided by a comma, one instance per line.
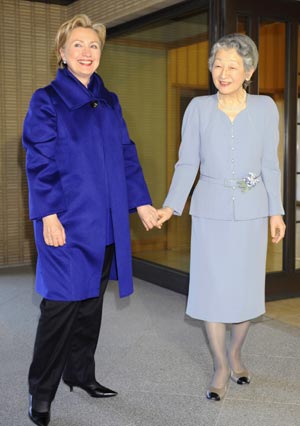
[233, 137]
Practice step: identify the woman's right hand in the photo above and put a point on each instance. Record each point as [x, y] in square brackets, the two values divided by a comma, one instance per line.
[164, 214]
[53, 231]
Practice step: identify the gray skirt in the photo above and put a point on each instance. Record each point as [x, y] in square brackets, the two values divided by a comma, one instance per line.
[227, 269]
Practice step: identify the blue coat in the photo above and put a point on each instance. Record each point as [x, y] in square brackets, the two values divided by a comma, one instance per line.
[226, 152]
[82, 166]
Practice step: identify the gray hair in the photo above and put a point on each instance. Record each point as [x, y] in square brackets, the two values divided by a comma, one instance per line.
[244, 46]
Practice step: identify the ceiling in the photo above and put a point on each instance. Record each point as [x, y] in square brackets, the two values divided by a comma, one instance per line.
[171, 31]
[61, 2]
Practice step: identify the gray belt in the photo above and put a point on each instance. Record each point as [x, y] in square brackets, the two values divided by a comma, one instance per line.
[244, 184]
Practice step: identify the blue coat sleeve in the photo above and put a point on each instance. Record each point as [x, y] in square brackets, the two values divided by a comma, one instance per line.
[137, 191]
[40, 142]
[270, 165]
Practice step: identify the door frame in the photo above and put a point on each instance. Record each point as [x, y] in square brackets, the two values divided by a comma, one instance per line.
[285, 283]
[223, 16]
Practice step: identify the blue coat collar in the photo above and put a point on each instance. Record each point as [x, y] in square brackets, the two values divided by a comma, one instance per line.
[74, 94]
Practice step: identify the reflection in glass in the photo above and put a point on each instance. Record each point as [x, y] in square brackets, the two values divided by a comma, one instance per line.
[271, 82]
[156, 70]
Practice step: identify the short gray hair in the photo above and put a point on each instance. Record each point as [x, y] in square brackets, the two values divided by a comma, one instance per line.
[244, 46]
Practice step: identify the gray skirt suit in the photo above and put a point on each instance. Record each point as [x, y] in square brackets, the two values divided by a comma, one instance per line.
[238, 188]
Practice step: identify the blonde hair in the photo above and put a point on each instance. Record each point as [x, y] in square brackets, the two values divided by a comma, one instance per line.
[67, 27]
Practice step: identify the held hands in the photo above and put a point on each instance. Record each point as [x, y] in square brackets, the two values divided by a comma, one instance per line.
[165, 213]
[152, 217]
[277, 227]
[148, 216]
[53, 231]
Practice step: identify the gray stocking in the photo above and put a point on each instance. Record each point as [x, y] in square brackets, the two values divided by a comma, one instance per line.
[216, 333]
[238, 335]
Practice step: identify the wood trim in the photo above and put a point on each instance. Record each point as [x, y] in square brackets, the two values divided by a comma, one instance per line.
[191, 86]
[132, 42]
[291, 86]
[282, 285]
[254, 33]
[230, 17]
[215, 29]
[59, 2]
[167, 13]
[277, 9]
[178, 281]
[125, 41]
[151, 244]
[171, 279]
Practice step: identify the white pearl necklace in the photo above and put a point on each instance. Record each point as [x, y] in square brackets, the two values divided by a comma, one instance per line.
[237, 107]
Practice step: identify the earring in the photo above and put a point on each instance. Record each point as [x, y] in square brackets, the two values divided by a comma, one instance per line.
[64, 62]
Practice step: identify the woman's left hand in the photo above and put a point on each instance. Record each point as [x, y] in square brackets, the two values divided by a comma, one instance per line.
[148, 216]
[277, 226]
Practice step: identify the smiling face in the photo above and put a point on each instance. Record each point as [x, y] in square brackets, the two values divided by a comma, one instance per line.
[228, 72]
[82, 52]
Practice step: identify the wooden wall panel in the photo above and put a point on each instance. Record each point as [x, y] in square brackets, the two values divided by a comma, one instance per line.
[203, 72]
[27, 62]
[272, 57]
[187, 68]
[188, 65]
[193, 64]
[115, 12]
[26, 34]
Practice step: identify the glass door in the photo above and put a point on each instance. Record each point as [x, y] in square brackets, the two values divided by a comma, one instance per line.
[272, 61]
[156, 69]
[275, 28]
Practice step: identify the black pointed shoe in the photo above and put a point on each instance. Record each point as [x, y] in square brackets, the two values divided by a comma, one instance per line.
[93, 389]
[40, 418]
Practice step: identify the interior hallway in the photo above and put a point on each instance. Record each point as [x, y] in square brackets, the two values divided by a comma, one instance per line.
[158, 361]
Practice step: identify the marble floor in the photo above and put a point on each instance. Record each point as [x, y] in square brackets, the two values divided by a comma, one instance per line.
[158, 360]
[286, 311]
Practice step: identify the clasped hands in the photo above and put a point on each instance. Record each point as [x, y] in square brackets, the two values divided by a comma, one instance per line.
[152, 217]
[54, 232]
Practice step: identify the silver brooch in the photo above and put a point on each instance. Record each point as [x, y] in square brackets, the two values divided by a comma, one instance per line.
[249, 182]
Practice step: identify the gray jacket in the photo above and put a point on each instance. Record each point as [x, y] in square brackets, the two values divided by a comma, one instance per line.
[226, 153]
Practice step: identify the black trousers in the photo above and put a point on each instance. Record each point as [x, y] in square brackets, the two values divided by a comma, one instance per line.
[66, 340]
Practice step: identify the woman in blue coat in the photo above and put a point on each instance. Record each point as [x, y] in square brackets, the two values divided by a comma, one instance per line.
[233, 138]
[84, 178]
